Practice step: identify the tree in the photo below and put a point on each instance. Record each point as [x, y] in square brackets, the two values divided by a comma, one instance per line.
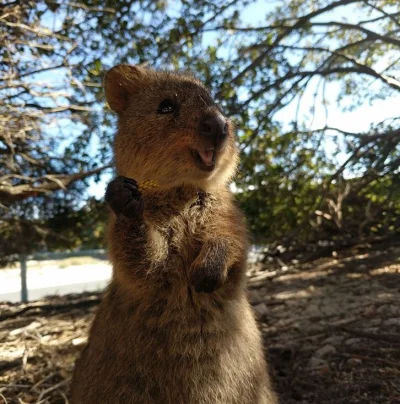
[288, 184]
[52, 115]
[309, 197]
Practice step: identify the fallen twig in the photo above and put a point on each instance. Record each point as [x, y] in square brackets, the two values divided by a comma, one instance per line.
[393, 338]
[368, 358]
[52, 388]
[34, 309]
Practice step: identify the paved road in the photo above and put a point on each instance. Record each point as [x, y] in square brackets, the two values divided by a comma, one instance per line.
[52, 279]
[35, 294]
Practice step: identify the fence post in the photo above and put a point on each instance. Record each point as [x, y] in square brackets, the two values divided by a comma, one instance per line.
[24, 285]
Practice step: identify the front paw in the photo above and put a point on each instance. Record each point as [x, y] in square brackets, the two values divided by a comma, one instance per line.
[209, 270]
[124, 197]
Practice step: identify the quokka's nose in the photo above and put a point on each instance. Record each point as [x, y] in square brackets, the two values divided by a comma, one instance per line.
[214, 127]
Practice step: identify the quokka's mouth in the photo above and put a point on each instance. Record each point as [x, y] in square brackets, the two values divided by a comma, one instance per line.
[204, 159]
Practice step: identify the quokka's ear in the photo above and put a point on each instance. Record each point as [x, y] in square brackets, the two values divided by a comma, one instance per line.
[119, 83]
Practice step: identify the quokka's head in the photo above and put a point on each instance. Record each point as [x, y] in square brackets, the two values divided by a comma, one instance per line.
[169, 129]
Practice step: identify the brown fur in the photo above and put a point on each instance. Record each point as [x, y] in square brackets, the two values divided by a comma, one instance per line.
[155, 340]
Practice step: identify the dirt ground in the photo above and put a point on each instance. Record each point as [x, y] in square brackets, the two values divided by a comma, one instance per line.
[331, 331]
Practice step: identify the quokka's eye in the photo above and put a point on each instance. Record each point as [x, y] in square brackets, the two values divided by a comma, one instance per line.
[167, 106]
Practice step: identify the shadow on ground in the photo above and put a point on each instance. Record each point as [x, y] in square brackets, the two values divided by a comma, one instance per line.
[331, 331]
[332, 328]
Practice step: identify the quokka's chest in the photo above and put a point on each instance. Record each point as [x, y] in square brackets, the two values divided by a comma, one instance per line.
[178, 229]
[177, 239]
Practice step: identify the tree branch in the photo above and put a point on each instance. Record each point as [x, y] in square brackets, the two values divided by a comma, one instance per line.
[302, 21]
[51, 183]
[366, 31]
[390, 81]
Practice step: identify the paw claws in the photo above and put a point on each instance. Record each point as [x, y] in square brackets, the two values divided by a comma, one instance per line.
[124, 197]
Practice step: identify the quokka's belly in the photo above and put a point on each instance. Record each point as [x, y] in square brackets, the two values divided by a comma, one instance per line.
[208, 359]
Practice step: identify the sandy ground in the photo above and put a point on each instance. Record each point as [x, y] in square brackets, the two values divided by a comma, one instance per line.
[331, 331]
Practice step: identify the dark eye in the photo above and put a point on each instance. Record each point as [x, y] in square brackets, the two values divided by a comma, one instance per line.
[167, 106]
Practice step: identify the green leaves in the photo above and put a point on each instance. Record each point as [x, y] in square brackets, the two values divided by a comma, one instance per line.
[96, 69]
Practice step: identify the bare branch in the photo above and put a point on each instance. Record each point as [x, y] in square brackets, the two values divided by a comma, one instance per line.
[392, 82]
[389, 16]
[370, 34]
[302, 21]
[51, 183]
